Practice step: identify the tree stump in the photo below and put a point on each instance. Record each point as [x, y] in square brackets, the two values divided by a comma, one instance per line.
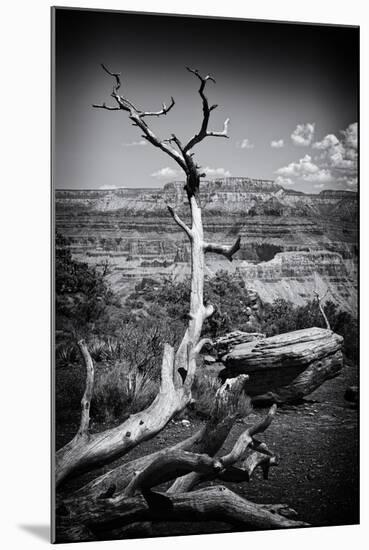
[287, 367]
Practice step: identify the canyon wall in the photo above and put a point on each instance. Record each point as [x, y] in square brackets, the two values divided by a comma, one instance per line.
[292, 243]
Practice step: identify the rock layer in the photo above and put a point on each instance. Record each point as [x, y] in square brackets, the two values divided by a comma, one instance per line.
[292, 243]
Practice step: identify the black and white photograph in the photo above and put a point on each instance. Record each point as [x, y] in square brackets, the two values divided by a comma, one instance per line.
[205, 250]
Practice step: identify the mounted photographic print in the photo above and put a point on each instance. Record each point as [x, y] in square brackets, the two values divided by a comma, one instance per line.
[205, 250]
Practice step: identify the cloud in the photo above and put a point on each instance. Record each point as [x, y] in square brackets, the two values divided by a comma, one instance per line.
[246, 144]
[217, 172]
[303, 167]
[350, 136]
[330, 140]
[319, 185]
[306, 170]
[280, 180]
[168, 173]
[340, 156]
[336, 162]
[110, 186]
[322, 175]
[140, 143]
[303, 134]
[350, 182]
[165, 173]
[277, 143]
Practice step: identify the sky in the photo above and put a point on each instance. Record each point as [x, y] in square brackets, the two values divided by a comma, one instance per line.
[289, 90]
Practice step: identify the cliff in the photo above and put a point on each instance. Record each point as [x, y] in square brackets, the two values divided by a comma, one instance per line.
[292, 243]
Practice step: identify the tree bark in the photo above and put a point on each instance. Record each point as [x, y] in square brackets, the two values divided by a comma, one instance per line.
[208, 439]
[211, 503]
[287, 367]
[92, 450]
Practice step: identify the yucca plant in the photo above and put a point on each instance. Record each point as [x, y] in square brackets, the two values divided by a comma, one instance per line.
[66, 354]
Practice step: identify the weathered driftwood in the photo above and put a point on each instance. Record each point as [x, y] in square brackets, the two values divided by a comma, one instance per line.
[122, 502]
[210, 503]
[91, 515]
[86, 451]
[287, 367]
[225, 344]
[207, 439]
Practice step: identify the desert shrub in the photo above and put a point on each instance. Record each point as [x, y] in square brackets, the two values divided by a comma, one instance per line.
[82, 294]
[282, 316]
[236, 307]
[170, 299]
[66, 354]
[139, 344]
[125, 366]
[121, 390]
[204, 389]
[126, 343]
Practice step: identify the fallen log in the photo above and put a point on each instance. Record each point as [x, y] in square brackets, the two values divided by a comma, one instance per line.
[85, 516]
[287, 367]
[224, 344]
[210, 503]
[208, 439]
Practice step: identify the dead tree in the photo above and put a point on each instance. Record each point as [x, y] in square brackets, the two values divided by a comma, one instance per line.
[125, 496]
[319, 300]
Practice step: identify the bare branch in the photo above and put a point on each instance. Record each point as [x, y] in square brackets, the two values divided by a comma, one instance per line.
[246, 439]
[87, 396]
[179, 222]
[261, 426]
[227, 251]
[169, 466]
[319, 300]
[201, 344]
[177, 463]
[114, 75]
[210, 503]
[258, 459]
[163, 111]
[224, 132]
[203, 132]
[177, 141]
[222, 417]
[104, 106]
[208, 439]
[136, 115]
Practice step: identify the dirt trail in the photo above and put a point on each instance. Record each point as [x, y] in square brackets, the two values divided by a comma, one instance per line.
[317, 446]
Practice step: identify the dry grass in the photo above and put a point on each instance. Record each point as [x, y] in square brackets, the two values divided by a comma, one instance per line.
[204, 389]
[120, 390]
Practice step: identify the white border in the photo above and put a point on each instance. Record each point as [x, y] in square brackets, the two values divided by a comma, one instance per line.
[25, 200]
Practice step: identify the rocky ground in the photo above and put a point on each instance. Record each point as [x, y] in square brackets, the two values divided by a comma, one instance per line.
[317, 446]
